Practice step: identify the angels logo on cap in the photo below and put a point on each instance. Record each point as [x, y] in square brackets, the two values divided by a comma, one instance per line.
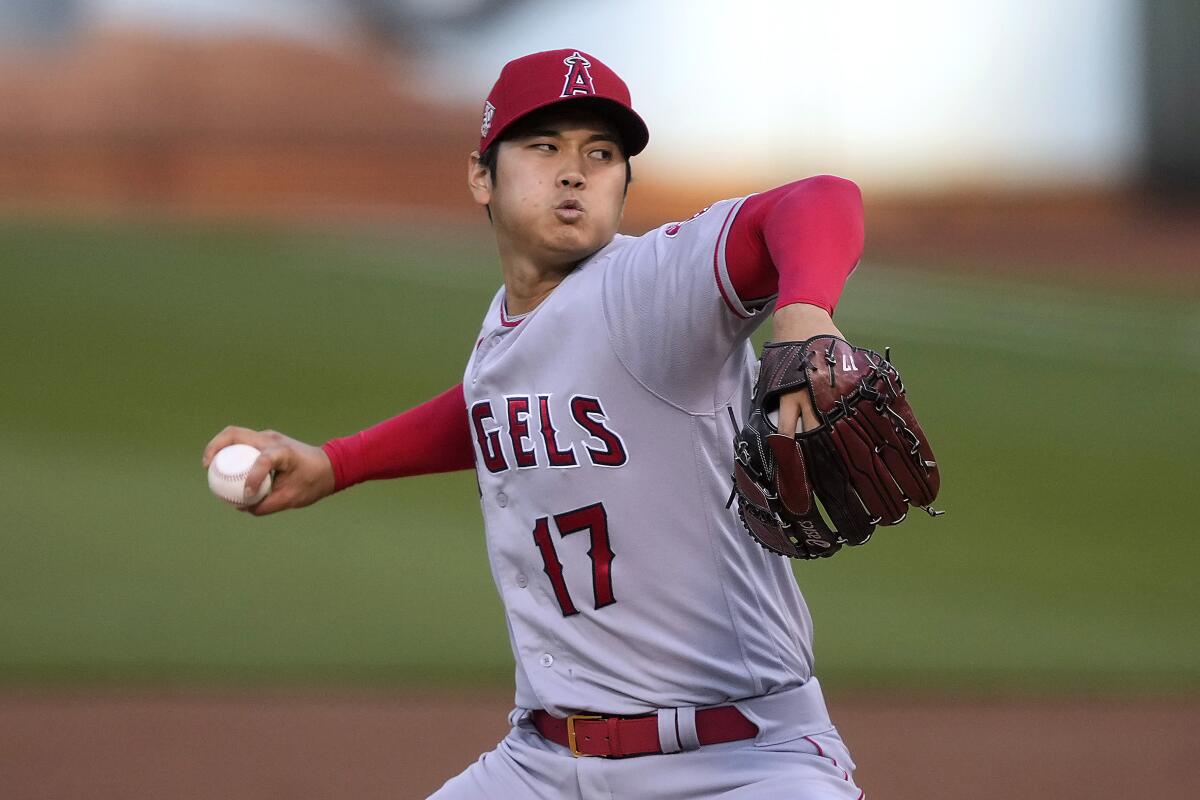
[579, 80]
[538, 80]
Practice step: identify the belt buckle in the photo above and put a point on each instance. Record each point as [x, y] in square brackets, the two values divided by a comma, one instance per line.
[571, 732]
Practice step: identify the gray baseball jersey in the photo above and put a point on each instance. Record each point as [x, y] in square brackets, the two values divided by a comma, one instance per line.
[603, 449]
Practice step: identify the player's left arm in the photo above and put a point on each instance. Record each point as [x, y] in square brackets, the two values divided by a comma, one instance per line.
[799, 241]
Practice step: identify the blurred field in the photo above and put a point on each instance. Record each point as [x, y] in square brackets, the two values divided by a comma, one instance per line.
[1061, 417]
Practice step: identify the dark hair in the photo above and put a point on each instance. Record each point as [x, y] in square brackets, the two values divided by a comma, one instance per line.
[489, 157]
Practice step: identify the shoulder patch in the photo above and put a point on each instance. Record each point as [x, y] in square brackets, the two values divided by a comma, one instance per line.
[673, 230]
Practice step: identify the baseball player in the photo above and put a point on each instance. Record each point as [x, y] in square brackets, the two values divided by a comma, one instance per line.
[660, 651]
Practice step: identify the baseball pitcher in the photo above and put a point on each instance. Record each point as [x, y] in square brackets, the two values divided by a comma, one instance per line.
[640, 470]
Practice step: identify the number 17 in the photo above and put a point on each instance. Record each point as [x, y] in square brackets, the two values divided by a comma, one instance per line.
[594, 520]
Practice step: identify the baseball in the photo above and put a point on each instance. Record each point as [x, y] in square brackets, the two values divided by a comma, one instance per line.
[227, 475]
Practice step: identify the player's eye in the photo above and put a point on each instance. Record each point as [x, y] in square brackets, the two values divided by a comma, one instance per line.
[545, 147]
[601, 153]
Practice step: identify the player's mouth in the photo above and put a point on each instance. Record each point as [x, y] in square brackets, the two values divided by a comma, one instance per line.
[569, 210]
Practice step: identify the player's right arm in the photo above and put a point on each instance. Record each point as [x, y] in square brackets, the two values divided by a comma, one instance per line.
[432, 437]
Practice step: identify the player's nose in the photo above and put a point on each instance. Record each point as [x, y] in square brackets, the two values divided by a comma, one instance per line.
[571, 170]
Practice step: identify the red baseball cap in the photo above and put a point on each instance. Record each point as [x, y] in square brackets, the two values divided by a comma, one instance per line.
[544, 79]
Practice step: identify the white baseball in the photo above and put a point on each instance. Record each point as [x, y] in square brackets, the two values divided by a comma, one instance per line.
[227, 475]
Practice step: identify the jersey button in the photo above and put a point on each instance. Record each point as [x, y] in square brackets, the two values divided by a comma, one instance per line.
[522, 581]
[502, 499]
[546, 660]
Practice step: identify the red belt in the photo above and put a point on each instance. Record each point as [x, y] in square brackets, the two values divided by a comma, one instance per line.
[617, 737]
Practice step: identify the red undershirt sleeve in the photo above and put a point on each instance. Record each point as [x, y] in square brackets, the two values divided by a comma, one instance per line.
[433, 437]
[801, 240]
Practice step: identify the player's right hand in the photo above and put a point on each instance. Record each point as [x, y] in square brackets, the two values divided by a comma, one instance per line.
[303, 473]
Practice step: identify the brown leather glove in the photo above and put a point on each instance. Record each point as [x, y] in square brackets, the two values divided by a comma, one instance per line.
[864, 465]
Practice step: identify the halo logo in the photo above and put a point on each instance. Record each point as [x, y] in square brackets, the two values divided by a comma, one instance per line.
[579, 80]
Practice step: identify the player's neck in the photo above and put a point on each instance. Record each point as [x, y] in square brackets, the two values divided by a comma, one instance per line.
[527, 283]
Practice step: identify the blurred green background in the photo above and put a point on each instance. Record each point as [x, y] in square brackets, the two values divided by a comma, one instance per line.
[1062, 418]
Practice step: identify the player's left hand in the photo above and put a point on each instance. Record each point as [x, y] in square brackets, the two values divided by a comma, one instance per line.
[795, 323]
[863, 463]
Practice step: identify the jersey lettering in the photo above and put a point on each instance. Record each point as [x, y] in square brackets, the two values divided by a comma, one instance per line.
[585, 410]
[488, 440]
[557, 457]
[587, 413]
[518, 430]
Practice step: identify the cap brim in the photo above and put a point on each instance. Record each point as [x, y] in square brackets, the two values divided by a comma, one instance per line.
[631, 128]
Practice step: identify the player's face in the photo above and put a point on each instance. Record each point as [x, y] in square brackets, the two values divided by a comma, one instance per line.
[559, 191]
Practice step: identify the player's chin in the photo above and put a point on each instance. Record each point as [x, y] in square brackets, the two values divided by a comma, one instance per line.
[574, 241]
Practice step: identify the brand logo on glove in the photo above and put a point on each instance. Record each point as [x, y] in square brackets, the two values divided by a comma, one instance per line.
[812, 535]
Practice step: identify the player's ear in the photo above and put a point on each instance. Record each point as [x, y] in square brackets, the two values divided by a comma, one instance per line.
[479, 179]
